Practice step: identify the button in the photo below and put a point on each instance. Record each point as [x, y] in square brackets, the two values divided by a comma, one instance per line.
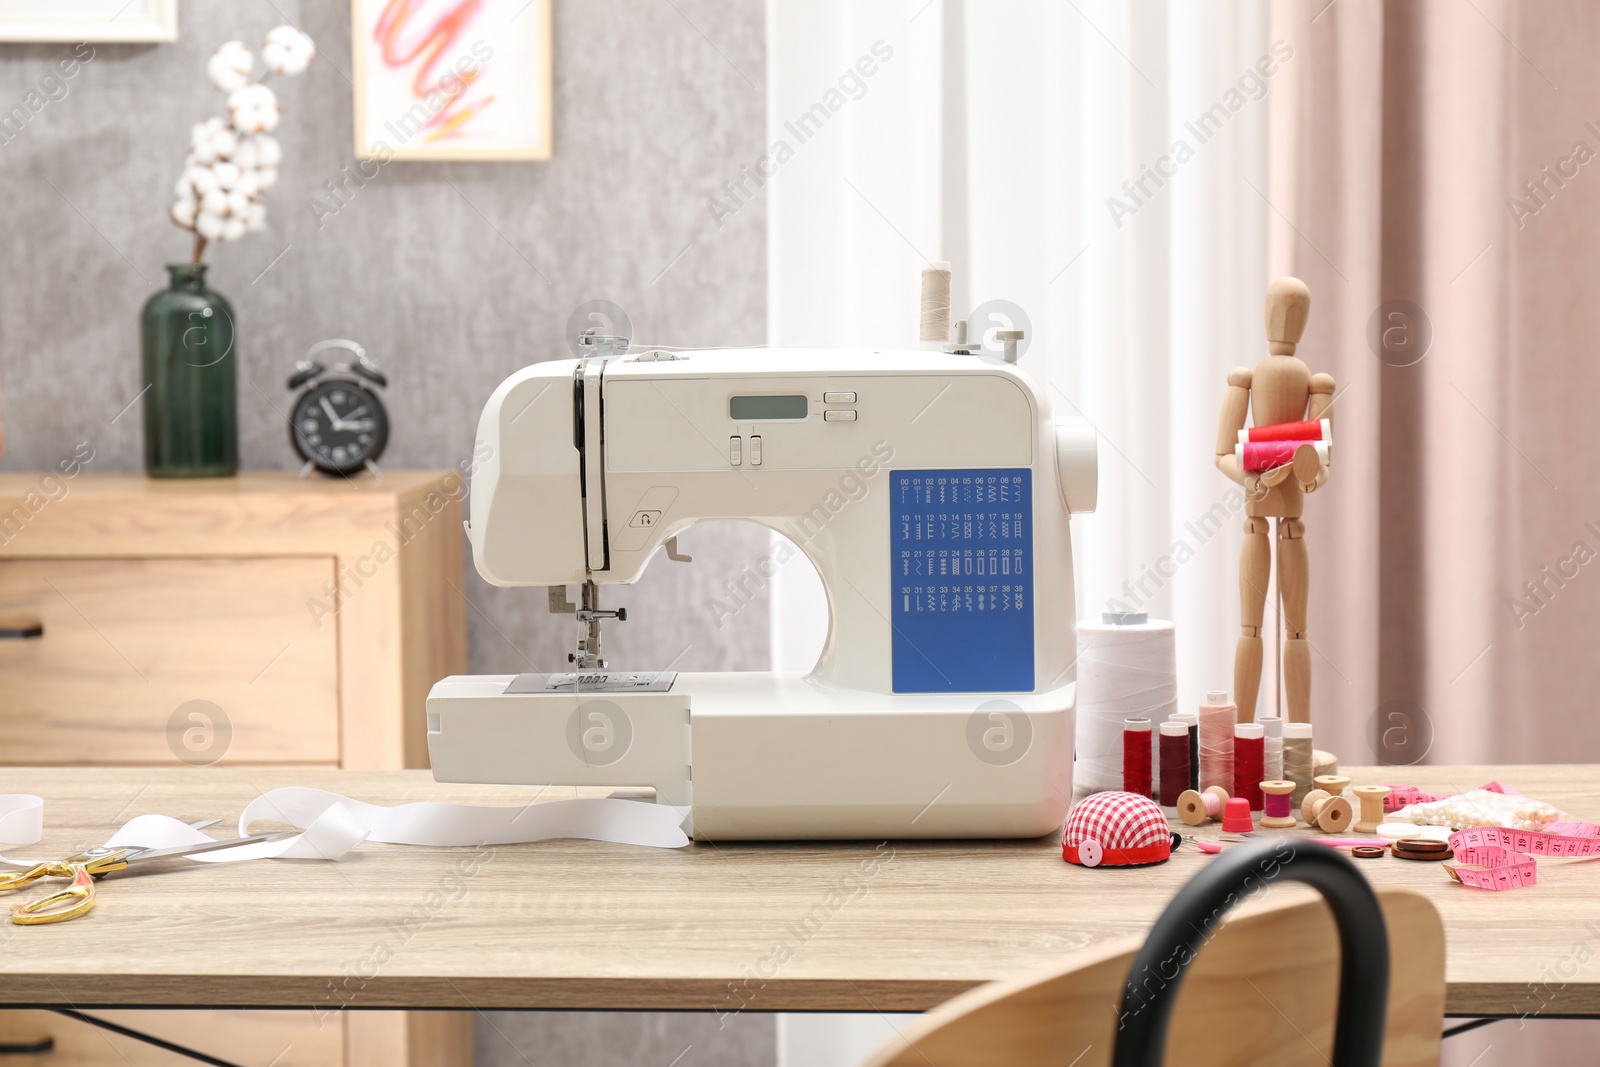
[755, 451]
[839, 415]
[838, 398]
[734, 450]
[644, 518]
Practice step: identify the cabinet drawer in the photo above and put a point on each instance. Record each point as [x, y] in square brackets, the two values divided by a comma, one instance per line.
[286, 1038]
[127, 643]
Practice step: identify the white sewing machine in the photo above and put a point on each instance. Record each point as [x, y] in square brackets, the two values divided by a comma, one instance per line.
[931, 490]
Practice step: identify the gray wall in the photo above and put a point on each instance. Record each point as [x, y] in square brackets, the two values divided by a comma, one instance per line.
[452, 275]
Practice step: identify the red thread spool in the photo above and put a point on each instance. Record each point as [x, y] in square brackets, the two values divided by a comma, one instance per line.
[1309, 430]
[1137, 749]
[1174, 762]
[1249, 762]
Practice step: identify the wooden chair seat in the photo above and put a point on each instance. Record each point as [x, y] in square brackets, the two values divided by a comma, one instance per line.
[1260, 994]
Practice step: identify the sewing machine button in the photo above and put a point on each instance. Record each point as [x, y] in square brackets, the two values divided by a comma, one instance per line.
[734, 450]
[838, 398]
[755, 451]
[644, 518]
[839, 415]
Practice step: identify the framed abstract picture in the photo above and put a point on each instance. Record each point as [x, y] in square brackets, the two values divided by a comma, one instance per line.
[115, 21]
[452, 79]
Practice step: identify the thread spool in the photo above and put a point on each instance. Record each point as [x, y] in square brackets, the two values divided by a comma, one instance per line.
[1324, 762]
[1191, 719]
[1195, 807]
[1236, 817]
[1297, 759]
[1371, 798]
[1272, 749]
[1277, 808]
[1333, 784]
[1257, 456]
[1308, 430]
[1136, 748]
[1248, 759]
[1324, 810]
[1127, 668]
[1174, 762]
[933, 324]
[1217, 717]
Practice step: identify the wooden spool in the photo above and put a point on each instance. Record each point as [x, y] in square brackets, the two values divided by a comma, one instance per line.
[1371, 798]
[1324, 810]
[1332, 784]
[1192, 805]
[1278, 822]
[1324, 762]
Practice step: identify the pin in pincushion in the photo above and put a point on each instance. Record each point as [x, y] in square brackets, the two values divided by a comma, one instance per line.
[1116, 829]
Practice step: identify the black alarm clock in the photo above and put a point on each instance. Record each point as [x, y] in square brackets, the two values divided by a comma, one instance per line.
[338, 425]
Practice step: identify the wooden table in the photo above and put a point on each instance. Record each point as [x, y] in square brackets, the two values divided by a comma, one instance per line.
[897, 926]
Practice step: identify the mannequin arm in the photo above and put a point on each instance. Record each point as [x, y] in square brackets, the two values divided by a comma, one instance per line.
[1320, 406]
[1235, 407]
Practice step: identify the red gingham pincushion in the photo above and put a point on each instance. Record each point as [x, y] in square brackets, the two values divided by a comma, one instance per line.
[1114, 830]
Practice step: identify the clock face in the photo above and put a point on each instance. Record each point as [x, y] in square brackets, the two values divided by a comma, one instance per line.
[339, 425]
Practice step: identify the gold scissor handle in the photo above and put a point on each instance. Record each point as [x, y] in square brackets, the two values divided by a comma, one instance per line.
[69, 903]
[18, 879]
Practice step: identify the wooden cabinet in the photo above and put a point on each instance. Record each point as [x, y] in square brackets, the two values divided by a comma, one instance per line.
[263, 619]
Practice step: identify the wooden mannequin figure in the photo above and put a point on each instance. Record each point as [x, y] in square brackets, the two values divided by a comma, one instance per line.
[1280, 389]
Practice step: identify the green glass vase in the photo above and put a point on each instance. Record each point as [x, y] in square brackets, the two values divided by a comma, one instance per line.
[191, 399]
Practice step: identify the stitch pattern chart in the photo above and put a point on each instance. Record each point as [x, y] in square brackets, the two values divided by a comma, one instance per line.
[961, 580]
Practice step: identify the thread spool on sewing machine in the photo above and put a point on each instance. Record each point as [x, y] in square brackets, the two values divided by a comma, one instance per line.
[1326, 807]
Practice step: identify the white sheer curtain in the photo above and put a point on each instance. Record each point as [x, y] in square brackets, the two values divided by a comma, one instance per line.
[999, 135]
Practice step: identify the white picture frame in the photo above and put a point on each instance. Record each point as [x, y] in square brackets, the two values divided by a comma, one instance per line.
[504, 110]
[95, 21]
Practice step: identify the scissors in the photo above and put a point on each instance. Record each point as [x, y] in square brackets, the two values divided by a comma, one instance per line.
[84, 867]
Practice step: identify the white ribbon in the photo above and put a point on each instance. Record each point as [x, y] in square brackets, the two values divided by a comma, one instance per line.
[331, 825]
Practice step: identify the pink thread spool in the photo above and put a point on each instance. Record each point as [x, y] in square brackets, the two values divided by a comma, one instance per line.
[1259, 456]
[1195, 807]
[1217, 718]
[1278, 808]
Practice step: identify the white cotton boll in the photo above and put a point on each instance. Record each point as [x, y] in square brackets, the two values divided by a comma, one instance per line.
[255, 219]
[183, 213]
[249, 183]
[253, 108]
[184, 189]
[203, 152]
[208, 225]
[267, 177]
[227, 174]
[268, 152]
[232, 229]
[224, 141]
[245, 155]
[201, 179]
[287, 51]
[214, 203]
[229, 66]
[238, 203]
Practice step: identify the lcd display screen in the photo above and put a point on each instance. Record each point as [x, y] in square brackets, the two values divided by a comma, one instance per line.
[766, 408]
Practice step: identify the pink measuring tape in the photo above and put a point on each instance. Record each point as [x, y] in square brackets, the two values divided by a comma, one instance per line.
[1501, 858]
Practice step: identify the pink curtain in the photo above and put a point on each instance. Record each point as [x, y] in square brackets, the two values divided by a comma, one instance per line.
[1446, 157]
